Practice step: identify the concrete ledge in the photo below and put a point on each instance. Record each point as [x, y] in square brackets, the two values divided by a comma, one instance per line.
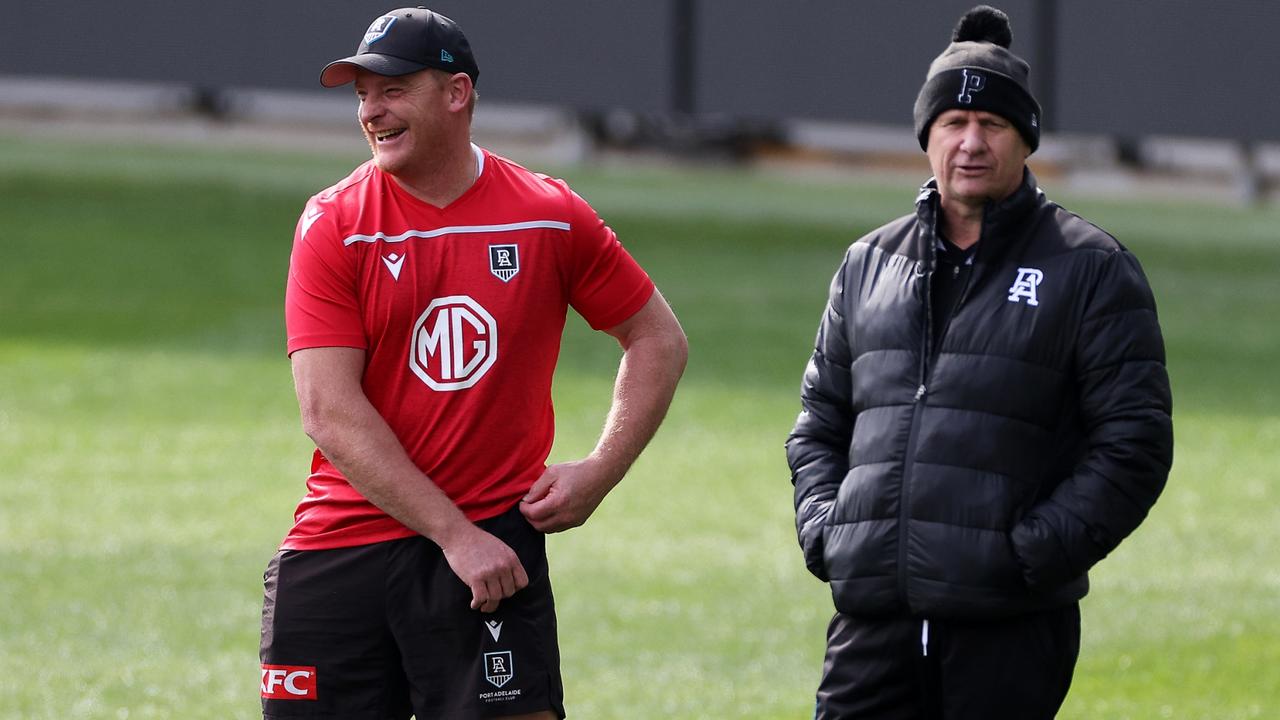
[1206, 169]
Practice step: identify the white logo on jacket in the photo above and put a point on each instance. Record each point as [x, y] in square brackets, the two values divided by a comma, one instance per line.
[1025, 286]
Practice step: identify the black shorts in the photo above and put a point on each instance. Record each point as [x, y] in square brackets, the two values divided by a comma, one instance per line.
[383, 631]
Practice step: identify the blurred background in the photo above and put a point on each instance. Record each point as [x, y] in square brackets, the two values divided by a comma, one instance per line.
[1172, 88]
[154, 158]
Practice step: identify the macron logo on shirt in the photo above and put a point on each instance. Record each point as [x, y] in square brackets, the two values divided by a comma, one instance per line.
[312, 215]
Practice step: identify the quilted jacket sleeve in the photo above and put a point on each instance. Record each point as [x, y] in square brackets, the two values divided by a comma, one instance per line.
[818, 447]
[1126, 410]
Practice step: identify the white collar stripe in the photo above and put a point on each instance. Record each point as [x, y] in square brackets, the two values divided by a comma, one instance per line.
[458, 230]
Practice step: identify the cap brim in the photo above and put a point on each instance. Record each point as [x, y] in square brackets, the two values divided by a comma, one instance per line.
[341, 72]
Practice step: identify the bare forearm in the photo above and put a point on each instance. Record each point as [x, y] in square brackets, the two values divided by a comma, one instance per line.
[647, 377]
[356, 439]
[654, 354]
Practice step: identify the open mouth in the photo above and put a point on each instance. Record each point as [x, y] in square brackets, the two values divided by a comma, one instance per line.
[385, 135]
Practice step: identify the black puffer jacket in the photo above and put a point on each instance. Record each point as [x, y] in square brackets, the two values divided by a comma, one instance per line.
[983, 477]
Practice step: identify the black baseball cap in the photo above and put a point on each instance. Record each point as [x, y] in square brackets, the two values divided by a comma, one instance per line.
[405, 41]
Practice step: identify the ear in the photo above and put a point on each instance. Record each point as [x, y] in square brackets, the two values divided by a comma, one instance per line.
[459, 89]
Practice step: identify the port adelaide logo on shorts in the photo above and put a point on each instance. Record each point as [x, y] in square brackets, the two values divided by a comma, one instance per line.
[498, 670]
[504, 261]
[497, 667]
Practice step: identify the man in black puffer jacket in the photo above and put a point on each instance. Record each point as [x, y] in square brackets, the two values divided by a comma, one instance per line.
[985, 416]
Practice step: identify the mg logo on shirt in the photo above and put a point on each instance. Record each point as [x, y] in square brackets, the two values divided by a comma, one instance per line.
[454, 343]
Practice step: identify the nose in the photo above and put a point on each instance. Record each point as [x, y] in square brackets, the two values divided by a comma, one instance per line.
[972, 139]
[369, 109]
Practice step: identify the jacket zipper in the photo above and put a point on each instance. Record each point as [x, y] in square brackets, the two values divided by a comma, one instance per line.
[904, 501]
[922, 392]
[964, 294]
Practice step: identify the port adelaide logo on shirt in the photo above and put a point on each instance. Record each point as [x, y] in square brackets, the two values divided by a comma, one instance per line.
[504, 261]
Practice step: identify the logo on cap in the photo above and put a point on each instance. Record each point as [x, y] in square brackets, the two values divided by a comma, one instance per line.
[970, 84]
[378, 29]
[445, 56]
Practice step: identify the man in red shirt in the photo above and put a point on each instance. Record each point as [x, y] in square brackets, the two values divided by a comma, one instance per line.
[426, 299]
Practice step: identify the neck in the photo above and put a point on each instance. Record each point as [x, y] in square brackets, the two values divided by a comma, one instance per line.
[960, 223]
[441, 182]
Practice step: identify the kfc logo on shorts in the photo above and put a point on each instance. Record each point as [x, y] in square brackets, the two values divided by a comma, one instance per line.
[288, 682]
[454, 343]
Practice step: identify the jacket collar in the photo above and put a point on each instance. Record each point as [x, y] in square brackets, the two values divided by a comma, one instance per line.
[1003, 221]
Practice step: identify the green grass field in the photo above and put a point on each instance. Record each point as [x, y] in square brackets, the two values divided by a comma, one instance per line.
[151, 455]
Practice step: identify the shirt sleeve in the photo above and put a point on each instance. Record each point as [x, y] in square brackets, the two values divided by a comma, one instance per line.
[607, 285]
[321, 307]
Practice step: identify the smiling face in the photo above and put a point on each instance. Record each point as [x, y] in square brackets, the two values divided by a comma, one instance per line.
[976, 156]
[406, 119]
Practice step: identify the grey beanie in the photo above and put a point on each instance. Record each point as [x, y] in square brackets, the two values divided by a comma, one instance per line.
[977, 72]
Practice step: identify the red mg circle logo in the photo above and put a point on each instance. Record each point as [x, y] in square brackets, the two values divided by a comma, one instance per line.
[454, 343]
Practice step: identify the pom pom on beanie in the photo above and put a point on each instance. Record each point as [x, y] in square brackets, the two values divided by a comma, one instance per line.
[977, 71]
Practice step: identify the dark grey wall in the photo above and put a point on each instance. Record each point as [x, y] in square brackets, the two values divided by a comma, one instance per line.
[1126, 68]
[862, 60]
[589, 54]
[1171, 67]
